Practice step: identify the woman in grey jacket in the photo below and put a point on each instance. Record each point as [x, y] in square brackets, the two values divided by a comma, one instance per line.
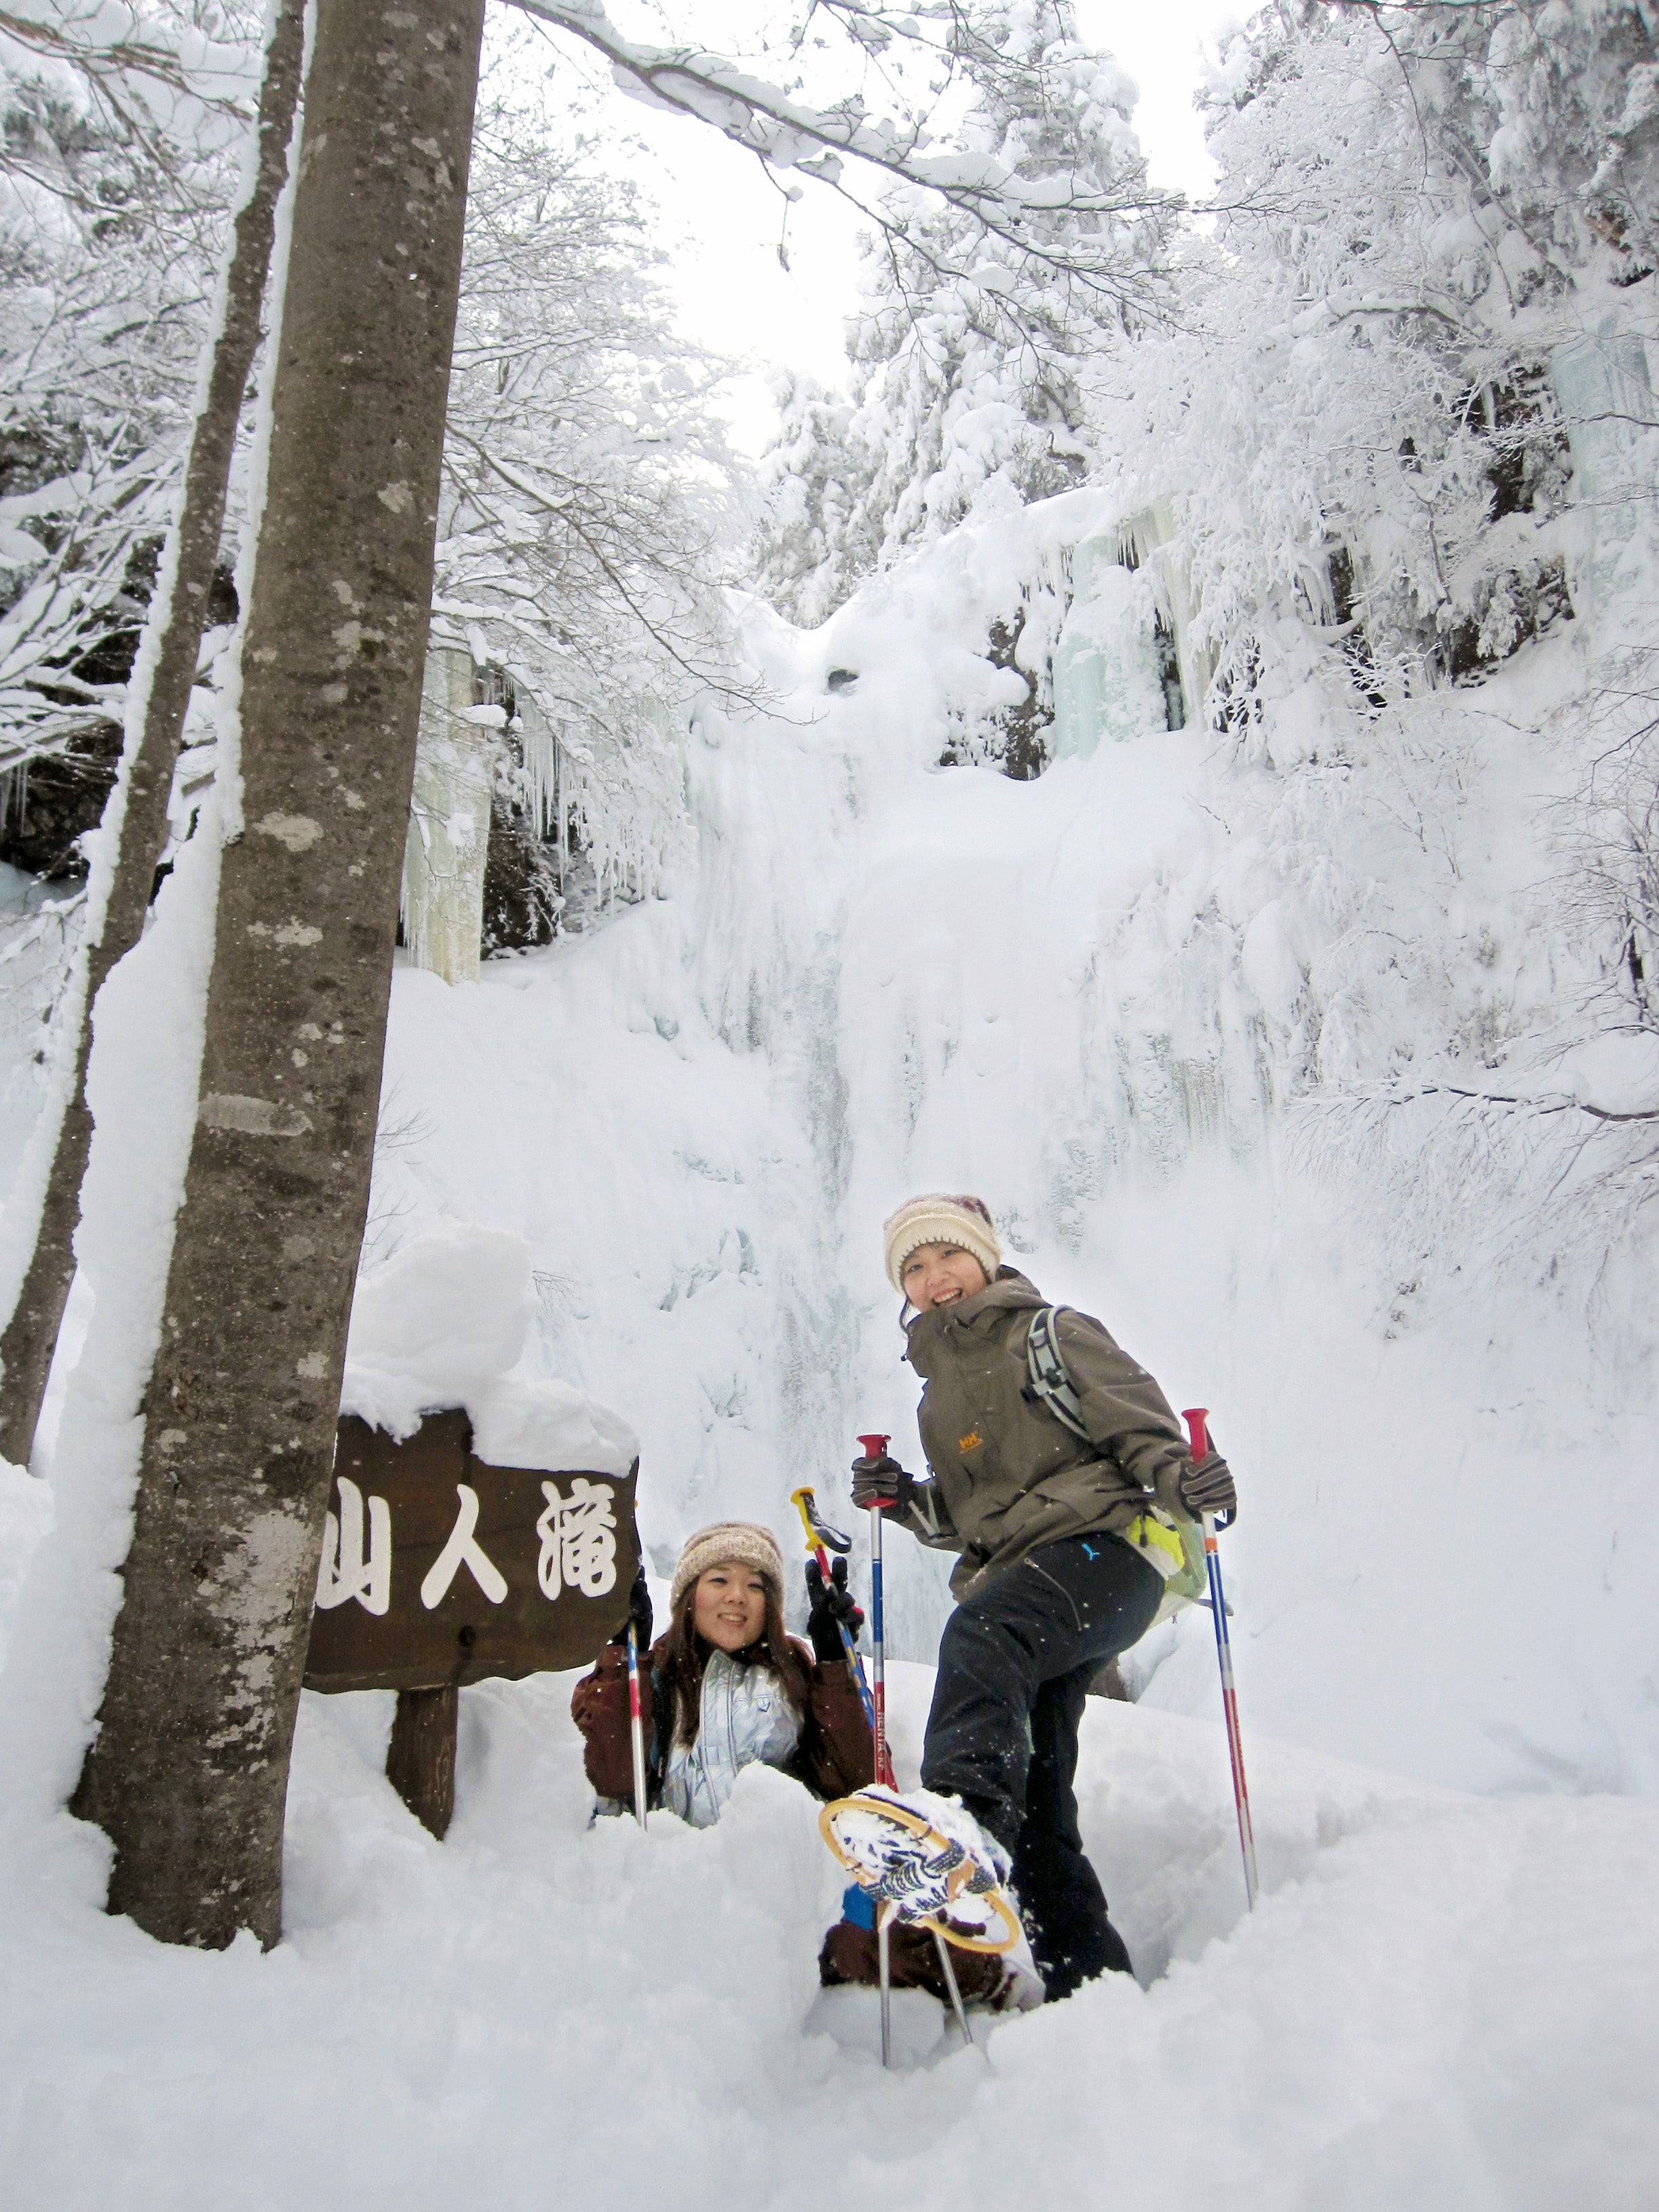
[1058, 1502]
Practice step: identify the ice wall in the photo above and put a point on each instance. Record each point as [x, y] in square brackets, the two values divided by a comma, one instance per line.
[448, 841]
[1602, 385]
[1105, 670]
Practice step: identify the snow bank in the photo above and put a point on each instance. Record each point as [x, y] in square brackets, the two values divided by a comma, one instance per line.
[1441, 2001]
[443, 1323]
[142, 1086]
[25, 1517]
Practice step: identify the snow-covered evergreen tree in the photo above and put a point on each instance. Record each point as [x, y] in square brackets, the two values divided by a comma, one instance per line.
[813, 481]
[966, 357]
[1356, 415]
[967, 351]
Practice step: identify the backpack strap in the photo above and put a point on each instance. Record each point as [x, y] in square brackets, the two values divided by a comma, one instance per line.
[1050, 1381]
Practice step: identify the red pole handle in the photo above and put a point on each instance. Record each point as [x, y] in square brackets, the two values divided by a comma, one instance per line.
[874, 1446]
[1195, 1417]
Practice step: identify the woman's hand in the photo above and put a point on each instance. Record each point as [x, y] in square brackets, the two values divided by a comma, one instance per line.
[881, 1481]
[638, 1611]
[1207, 1487]
[831, 1604]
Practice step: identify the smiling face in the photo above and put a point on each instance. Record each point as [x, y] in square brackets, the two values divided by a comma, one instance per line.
[728, 1608]
[941, 1275]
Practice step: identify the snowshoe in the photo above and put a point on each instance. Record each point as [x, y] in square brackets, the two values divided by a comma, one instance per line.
[986, 1981]
[929, 1860]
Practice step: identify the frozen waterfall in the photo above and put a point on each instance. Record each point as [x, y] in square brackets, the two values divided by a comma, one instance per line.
[1107, 682]
[448, 841]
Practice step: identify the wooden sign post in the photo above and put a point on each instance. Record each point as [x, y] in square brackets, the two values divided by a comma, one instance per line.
[438, 1571]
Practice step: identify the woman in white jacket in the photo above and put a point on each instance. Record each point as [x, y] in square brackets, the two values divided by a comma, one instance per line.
[728, 1686]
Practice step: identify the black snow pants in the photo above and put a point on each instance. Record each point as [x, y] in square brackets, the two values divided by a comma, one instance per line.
[1014, 1666]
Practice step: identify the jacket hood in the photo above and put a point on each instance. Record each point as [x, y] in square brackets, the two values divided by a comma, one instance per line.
[1011, 1292]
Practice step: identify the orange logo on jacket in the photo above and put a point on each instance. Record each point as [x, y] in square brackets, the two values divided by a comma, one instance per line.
[969, 1443]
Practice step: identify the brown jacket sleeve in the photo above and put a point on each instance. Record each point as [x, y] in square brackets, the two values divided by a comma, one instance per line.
[599, 1705]
[1124, 1409]
[839, 1752]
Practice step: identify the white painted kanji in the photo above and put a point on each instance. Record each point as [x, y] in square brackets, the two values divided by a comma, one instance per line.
[578, 1538]
[347, 1570]
[463, 1549]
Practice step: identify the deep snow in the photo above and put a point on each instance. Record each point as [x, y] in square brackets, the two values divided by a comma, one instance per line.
[1438, 2003]
[679, 1135]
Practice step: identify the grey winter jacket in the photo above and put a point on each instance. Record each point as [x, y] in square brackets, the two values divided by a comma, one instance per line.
[1008, 1475]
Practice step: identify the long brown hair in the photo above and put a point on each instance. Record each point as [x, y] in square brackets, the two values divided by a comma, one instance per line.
[687, 1656]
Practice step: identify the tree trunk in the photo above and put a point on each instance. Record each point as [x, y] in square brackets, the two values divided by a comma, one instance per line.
[31, 1334]
[420, 1760]
[189, 1772]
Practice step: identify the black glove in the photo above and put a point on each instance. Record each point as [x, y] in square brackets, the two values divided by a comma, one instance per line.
[1207, 1487]
[830, 1604]
[881, 1479]
[639, 1612]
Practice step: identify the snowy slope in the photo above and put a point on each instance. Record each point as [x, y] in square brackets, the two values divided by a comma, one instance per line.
[1085, 998]
[1434, 2005]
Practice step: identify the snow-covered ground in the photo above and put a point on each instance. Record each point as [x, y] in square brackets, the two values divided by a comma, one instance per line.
[1085, 998]
[1441, 2002]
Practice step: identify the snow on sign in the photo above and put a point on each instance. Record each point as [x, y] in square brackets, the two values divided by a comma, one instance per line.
[438, 1570]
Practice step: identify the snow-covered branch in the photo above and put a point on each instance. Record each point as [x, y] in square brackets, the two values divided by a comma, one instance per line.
[1019, 208]
[123, 129]
[154, 75]
[1544, 1103]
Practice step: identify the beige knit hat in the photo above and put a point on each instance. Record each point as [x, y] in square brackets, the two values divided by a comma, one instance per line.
[936, 1219]
[745, 1541]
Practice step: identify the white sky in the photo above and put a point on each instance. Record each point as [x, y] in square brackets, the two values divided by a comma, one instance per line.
[723, 219]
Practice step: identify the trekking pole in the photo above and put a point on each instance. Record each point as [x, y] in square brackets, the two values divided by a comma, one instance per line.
[636, 1726]
[821, 1541]
[873, 1448]
[1195, 1417]
[949, 1974]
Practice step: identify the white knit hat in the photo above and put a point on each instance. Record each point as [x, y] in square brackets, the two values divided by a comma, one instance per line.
[745, 1541]
[937, 1219]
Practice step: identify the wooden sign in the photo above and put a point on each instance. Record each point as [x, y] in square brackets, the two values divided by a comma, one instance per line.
[437, 1570]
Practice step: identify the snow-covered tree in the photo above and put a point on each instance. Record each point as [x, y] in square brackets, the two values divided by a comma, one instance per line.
[967, 351]
[813, 481]
[587, 516]
[1355, 415]
[117, 168]
[183, 605]
[966, 355]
